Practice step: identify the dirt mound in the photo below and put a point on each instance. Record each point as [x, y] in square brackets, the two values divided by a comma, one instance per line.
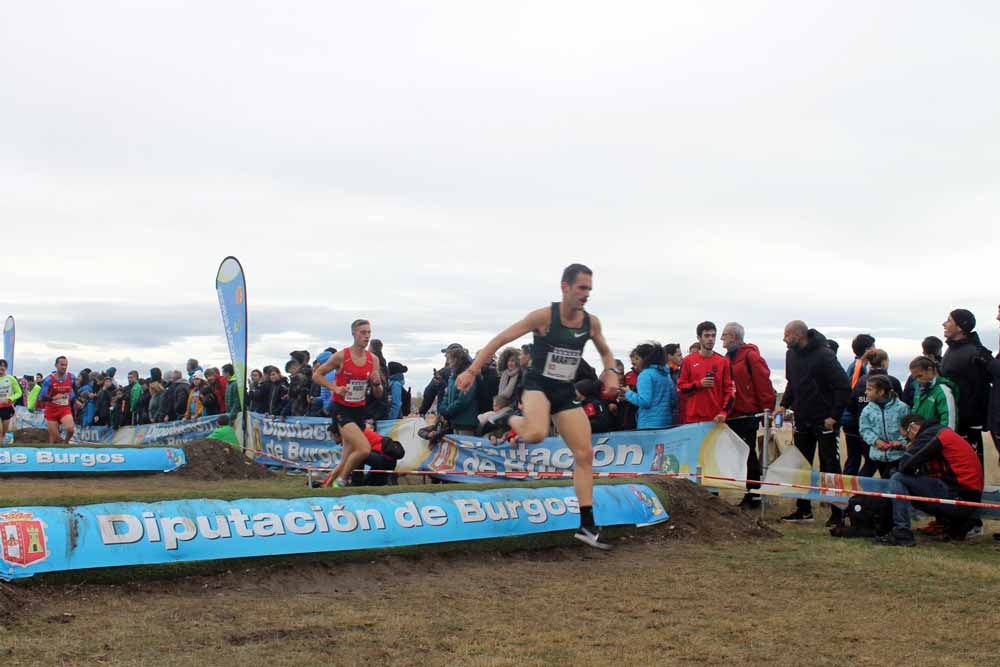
[31, 436]
[211, 460]
[11, 600]
[702, 517]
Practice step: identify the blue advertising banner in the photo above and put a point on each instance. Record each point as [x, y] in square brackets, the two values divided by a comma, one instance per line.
[86, 460]
[169, 433]
[8, 344]
[792, 468]
[230, 284]
[94, 435]
[24, 418]
[712, 449]
[293, 441]
[48, 539]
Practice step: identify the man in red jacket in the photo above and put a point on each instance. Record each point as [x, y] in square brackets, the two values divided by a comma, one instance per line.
[754, 394]
[938, 463]
[706, 383]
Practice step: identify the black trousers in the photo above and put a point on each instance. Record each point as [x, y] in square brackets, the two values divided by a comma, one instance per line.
[746, 427]
[883, 468]
[807, 442]
[857, 449]
[375, 461]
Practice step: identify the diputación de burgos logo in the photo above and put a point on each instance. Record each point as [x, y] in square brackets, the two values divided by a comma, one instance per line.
[22, 537]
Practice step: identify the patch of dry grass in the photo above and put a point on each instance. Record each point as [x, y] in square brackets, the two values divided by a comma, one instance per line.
[802, 599]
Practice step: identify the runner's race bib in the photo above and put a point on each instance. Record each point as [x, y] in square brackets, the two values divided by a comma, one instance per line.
[5, 392]
[60, 399]
[356, 390]
[561, 364]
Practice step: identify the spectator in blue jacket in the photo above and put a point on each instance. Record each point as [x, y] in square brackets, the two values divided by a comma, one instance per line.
[880, 427]
[397, 372]
[85, 394]
[461, 409]
[654, 394]
[325, 395]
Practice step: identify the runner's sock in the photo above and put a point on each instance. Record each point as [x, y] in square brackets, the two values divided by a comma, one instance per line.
[587, 516]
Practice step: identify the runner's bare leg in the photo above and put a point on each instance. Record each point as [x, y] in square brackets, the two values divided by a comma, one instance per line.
[354, 450]
[53, 429]
[574, 428]
[67, 423]
[533, 427]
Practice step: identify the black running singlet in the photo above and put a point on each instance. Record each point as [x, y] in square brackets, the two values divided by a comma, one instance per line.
[557, 354]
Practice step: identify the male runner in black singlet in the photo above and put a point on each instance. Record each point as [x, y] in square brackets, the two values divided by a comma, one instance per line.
[561, 330]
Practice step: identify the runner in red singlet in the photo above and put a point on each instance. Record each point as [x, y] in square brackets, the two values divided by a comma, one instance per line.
[356, 370]
[57, 395]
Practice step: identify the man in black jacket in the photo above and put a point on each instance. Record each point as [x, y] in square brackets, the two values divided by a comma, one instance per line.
[818, 390]
[175, 397]
[966, 364]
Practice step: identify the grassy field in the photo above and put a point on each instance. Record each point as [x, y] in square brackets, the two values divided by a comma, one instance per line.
[800, 598]
[685, 596]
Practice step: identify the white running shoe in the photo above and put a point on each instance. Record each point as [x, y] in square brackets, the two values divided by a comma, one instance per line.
[974, 532]
[592, 538]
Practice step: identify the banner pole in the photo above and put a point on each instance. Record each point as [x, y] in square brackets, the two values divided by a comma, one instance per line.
[230, 287]
[764, 458]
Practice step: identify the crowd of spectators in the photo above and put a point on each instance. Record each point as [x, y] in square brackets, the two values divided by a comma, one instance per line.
[956, 389]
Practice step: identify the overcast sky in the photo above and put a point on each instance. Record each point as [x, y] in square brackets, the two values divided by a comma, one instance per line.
[434, 166]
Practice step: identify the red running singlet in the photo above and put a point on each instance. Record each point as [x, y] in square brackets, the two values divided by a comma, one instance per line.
[57, 404]
[355, 378]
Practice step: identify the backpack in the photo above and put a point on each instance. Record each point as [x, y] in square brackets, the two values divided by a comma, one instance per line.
[868, 516]
[407, 402]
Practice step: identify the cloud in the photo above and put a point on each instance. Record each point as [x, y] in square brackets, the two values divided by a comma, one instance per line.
[436, 171]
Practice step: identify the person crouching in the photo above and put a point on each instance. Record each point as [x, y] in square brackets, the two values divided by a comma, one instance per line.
[384, 454]
[938, 463]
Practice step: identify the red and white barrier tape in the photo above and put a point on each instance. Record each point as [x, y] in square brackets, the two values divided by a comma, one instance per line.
[568, 474]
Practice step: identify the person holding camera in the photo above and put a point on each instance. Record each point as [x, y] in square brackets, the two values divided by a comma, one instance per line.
[706, 381]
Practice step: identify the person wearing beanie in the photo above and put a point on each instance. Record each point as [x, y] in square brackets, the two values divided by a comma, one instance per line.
[397, 372]
[994, 371]
[966, 363]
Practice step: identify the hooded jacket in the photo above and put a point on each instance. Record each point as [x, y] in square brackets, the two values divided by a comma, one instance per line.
[937, 400]
[881, 422]
[941, 453]
[460, 408]
[818, 388]
[232, 399]
[396, 381]
[851, 420]
[966, 364]
[754, 391]
[655, 396]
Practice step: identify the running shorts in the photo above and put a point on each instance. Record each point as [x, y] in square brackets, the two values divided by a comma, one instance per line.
[561, 395]
[56, 413]
[347, 414]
